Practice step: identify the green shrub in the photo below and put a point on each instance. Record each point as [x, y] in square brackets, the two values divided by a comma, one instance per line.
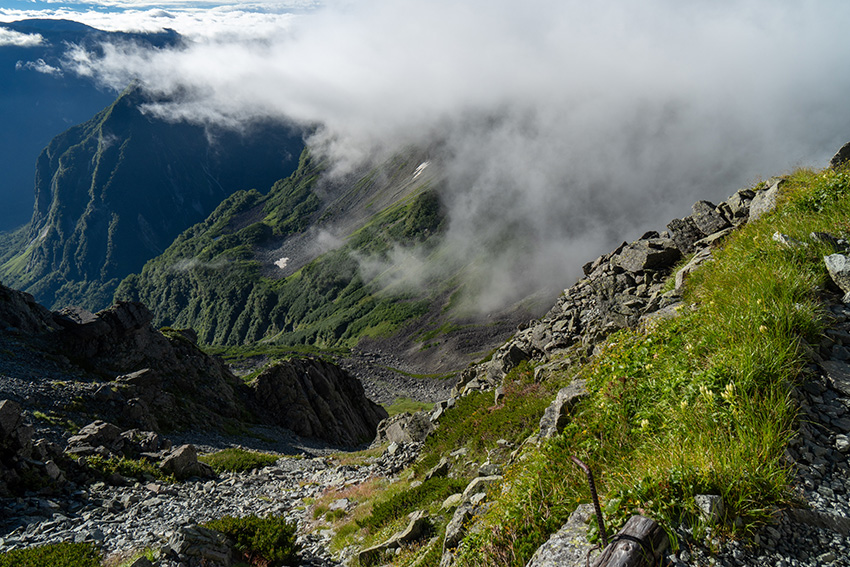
[269, 539]
[237, 460]
[131, 468]
[402, 503]
[476, 423]
[53, 555]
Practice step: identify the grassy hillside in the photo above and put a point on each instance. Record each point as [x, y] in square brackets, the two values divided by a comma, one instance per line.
[215, 280]
[315, 264]
[699, 403]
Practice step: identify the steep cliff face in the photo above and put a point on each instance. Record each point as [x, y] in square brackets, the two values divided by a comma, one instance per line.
[115, 191]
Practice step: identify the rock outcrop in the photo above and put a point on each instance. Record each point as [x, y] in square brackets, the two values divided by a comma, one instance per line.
[316, 398]
[161, 379]
[25, 464]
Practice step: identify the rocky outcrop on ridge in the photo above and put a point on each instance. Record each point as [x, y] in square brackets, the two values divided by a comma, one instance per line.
[114, 365]
[316, 398]
[620, 289]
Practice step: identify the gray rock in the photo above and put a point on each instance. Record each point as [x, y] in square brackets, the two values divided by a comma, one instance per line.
[198, 546]
[764, 201]
[10, 417]
[684, 232]
[452, 501]
[490, 469]
[698, 260]
[841, 156]
[654, 254]
[318, 399]
[98, 434]
[480, 484]
[707, 219]
[457, 526]
[710, 506]
[739, 204]
[556, 415]
[404, 428]
[416, 529]
[183, 462]
[838, 374]
[838, 266]
[569, 546]
[441, 469]
[788, 241]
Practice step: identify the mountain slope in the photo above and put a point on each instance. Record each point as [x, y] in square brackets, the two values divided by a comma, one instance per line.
[39, 99]
[328, 263]
[115, 191]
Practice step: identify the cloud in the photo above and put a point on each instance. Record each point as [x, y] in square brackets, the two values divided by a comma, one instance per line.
[560, 126]
[39, 66]
[192, 19]
[16, 39]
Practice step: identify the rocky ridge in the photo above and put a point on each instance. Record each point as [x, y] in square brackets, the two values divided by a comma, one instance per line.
[621, 289]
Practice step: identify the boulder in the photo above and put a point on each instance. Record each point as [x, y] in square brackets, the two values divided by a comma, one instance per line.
[698, 260]
[418, 528]
[404, 428]
[739, 204]
[197, 546]
[764, 201]
[569, 546]
[684, 232]
[20, 311]
[707, 219]
[841, 156]
[183, 462]
[98, 434]
[653, 254]
[838, 266]
[556, 415]
[316, 398]
[10, 418]
[457, 526]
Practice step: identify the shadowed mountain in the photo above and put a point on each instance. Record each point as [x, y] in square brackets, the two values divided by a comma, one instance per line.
[39, 100]
[115, 191]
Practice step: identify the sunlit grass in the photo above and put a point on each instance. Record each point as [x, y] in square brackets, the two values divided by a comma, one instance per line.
[700, 404]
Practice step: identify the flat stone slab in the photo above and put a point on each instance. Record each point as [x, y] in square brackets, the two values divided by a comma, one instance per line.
[569, 546]
[838, 374]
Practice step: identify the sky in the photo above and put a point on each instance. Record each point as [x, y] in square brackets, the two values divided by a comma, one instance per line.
[572, 124]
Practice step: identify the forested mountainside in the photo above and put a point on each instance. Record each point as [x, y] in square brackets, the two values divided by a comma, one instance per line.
[40, 98]
[315, 262]
[115, 191]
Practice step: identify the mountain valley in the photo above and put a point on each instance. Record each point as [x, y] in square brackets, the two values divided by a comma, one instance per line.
[224, 347]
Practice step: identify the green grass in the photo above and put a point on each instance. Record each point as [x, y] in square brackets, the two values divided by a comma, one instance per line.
[54, 555]
[402, 503]
[130, 468]
[476, 423]
[263, 541]
[698, 404]
[238, 460]
[402, 405]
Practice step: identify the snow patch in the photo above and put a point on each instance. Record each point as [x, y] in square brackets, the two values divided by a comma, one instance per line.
[420, 169]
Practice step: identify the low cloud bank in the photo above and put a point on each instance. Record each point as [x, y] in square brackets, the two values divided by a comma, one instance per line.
[561, 126]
